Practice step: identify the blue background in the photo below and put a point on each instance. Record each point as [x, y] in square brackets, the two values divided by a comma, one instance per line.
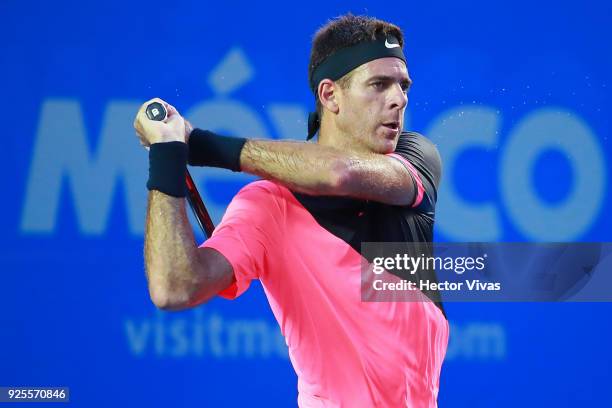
[74, 306]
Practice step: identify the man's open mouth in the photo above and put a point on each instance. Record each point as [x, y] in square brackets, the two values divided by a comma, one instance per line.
[392, 125]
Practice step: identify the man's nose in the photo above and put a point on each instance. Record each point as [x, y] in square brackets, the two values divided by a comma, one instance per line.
[398, 97]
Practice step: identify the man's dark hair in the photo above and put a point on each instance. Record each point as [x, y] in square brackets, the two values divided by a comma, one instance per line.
[345, 31]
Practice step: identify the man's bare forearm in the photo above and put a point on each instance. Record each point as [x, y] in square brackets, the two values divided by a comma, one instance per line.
[176, 268]
[304, 167]
[323, 170]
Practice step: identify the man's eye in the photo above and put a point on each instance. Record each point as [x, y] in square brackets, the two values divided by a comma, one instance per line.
[377, 85]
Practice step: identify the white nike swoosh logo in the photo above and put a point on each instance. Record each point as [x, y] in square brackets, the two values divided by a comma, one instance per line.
[388, 45]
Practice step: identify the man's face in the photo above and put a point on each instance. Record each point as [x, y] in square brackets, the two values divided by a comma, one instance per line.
[371, 108]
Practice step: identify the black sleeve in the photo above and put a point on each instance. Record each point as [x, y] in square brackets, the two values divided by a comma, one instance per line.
[424, 156]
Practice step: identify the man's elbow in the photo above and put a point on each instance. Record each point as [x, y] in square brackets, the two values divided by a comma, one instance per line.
[340, 177]
[165, 298]
[168, 300]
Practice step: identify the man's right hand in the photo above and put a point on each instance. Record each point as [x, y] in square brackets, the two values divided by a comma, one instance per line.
[171, 129]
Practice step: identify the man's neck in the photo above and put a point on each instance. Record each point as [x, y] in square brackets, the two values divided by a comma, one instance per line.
[331, 135]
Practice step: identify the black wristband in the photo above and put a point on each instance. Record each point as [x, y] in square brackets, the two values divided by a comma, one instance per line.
[210, 149]
[167, 167]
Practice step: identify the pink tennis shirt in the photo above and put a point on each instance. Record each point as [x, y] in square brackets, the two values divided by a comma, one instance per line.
[346, 352]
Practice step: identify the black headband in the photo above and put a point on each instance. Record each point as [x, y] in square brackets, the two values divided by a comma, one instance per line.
[347, 59]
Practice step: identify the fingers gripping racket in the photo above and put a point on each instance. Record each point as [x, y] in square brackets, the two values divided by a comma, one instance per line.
[157, 111]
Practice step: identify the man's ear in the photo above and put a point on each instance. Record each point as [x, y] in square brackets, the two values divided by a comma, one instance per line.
[328, 94]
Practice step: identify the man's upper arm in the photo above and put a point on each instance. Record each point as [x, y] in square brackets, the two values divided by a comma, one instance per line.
[245, 238]
[407, 177]
[219, 271]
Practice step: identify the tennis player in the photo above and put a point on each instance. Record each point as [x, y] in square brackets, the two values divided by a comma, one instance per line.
[299, 230]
